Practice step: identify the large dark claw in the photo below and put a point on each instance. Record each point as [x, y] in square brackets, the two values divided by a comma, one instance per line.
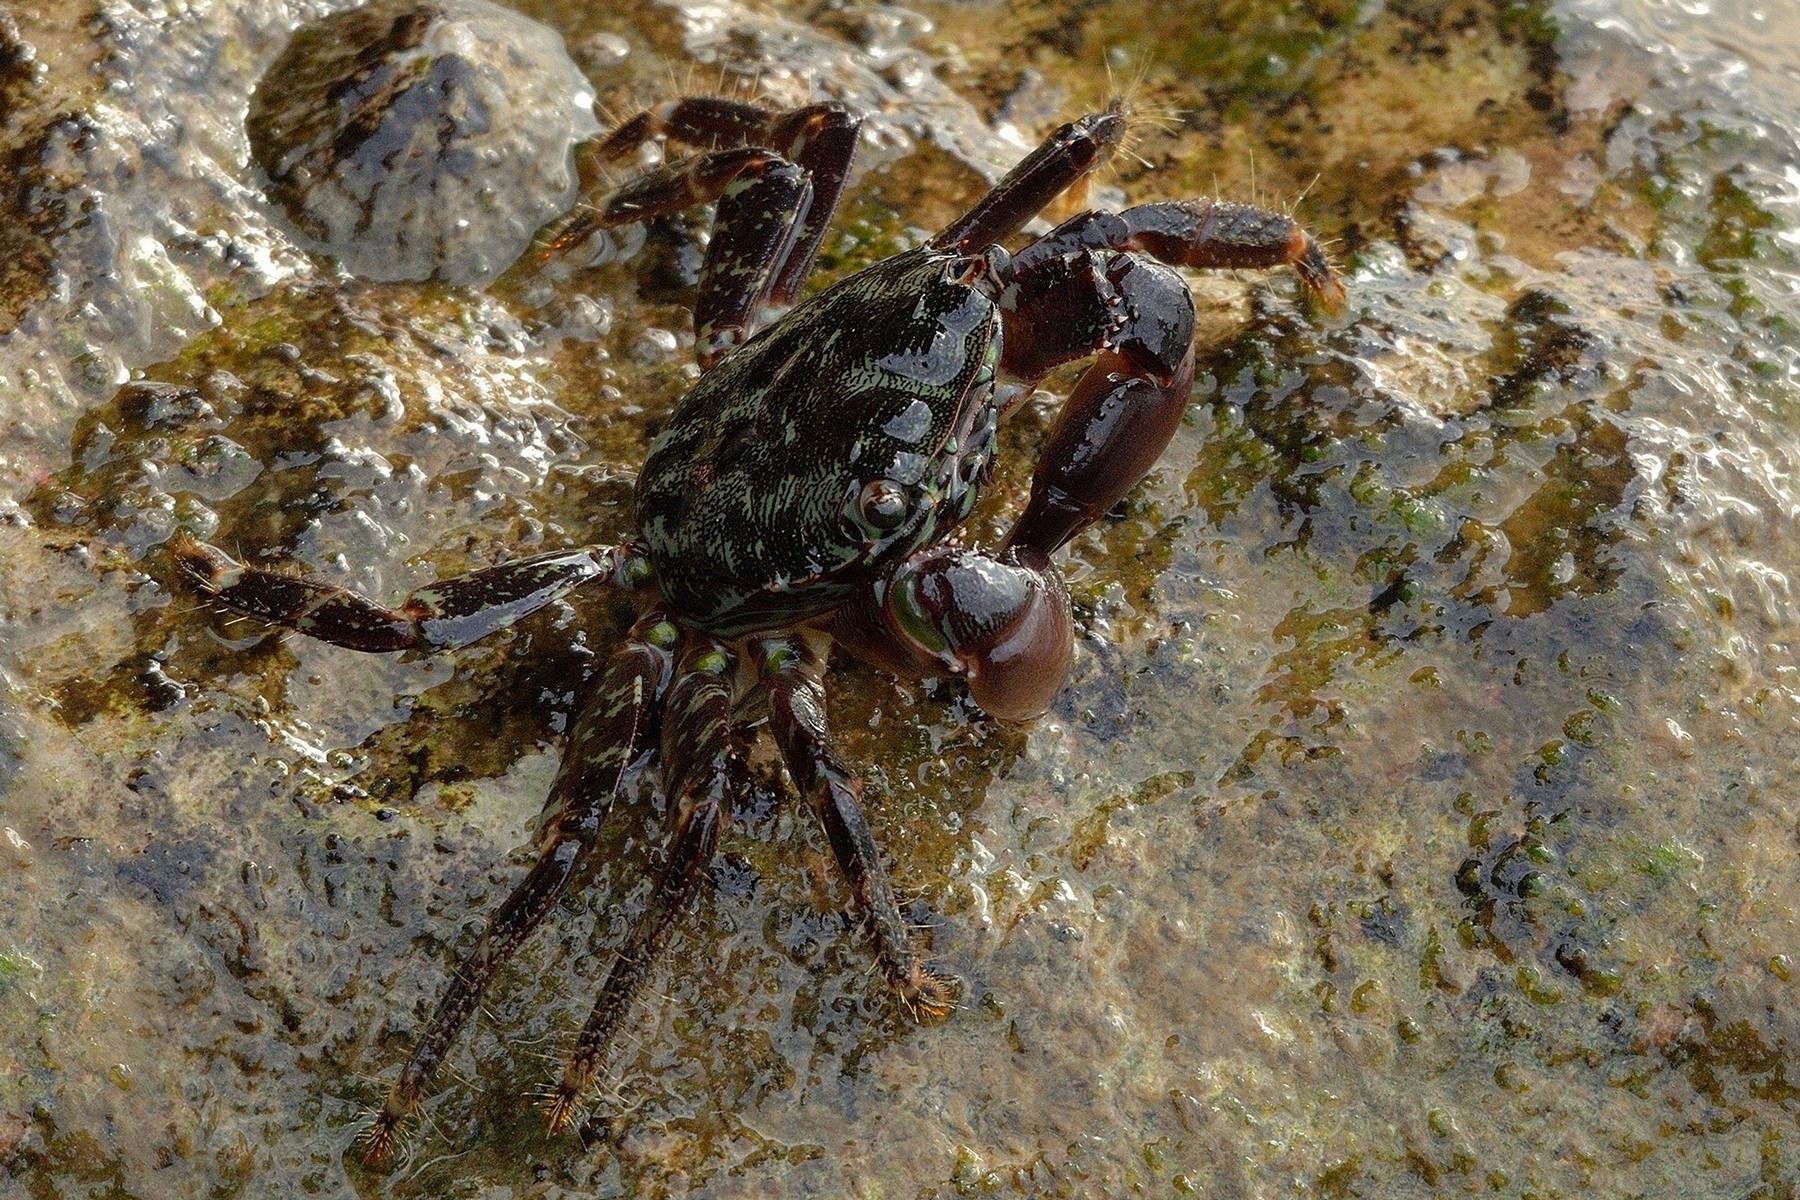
[1107, 436]
[1000, 622]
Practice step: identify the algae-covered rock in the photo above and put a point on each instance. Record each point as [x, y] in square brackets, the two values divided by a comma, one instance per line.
[421, 139]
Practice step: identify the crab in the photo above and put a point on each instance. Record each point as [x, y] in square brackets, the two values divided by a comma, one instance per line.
[807, 491]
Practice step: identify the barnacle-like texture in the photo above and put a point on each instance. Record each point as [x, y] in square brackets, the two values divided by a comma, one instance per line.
[426, 140]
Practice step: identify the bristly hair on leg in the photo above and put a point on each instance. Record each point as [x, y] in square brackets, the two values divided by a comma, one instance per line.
[560, 1109]
[727, 84]
[1293, 205]
[1141, 114]
[381, 1137]
[376, 1142]
[929, 996]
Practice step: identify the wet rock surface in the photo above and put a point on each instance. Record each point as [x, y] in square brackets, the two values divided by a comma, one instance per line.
[428, 140]
[1414, 821]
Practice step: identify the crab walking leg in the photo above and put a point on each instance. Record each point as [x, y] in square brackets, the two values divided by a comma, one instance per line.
[819, 138]
[708, 122]
[699, 774]
[438, 616]
[769, 226]
[1063, 158]
[793, 673]
[755, 228]
[763, 200]
[1196, 233]
[602, 745]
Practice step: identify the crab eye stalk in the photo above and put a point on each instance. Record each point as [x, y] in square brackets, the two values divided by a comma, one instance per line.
[882, 506]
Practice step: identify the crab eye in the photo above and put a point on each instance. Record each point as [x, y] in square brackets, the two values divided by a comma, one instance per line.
[882, 505]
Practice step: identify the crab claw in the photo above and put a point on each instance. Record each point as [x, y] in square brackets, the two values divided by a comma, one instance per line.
[1000, 622]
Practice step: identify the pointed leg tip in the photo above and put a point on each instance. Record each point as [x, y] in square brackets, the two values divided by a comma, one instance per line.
[1328, 291]
[1316, 274]
[375, 1146]
[207, 565]
[560, 1108]
[929, 996]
